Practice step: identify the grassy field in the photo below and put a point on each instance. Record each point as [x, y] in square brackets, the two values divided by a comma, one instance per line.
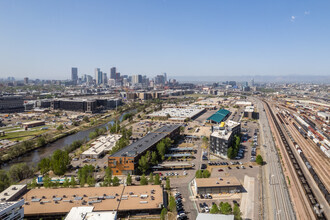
[22, 135]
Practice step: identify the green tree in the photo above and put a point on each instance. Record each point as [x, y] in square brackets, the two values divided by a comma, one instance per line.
[91, 181]
[161, 148]
[151, 178]
[168, 184]
[73, 182]
[230, 153]
[86, 119]
[107, 177]
[199, 174]
[157, 179]
[60, 127]
[47, 181]
[143, 180]
[115, 181]
[4, 180]
[163, 214]
[206, 174]
[154, 158]
[20, 171]
[44, 165]
[34, 183]
[129, 180]
[237, 212]
[66, 183]
[225, 208]
[259, 160]
[41, 141]
[214, 209]
[171, 204]
[143, 164]
[60, 161]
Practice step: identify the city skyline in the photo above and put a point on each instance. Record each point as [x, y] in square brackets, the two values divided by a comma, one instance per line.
[184, 38]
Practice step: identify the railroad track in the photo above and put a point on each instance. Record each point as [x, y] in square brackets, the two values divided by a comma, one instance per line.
[307, 189]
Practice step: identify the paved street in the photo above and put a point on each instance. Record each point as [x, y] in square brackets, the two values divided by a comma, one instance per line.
[276, 196]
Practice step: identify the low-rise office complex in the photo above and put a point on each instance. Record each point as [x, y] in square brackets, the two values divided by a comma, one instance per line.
[222, 137]
[12, 210]
[101, 146]
[126, 160]
[85, 105]
[125, 200]
[10, 104]
[217, 185]
[13, 193]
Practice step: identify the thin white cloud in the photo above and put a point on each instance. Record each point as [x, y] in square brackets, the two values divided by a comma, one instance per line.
[293, 18]
[307, 12]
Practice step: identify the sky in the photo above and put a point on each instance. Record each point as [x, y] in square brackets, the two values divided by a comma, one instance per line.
[184, 38]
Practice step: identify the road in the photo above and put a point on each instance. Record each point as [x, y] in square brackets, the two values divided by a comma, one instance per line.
[277, 203]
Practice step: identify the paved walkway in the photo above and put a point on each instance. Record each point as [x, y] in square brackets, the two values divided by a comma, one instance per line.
[248, 198]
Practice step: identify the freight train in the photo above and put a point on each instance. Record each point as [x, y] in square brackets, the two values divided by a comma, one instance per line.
[301, 131]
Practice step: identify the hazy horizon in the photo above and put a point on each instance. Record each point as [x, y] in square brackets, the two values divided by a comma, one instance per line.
[44, 39]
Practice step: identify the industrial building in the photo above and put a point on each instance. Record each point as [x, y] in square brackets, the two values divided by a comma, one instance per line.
[85, 105]
[32, 124]
[217, 185]
[11, 104]
[126, 160]
[208, 216]
[12, 210]
[250, 113]
[178, 113]
[222, 137]
[101, 146]
[125, 200]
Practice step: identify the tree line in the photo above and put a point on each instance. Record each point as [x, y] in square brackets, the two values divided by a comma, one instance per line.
[226, 209]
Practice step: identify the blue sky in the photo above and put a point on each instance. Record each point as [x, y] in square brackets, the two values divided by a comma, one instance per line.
[44, 39]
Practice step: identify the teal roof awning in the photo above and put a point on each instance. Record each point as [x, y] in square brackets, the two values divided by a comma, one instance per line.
[218, 116]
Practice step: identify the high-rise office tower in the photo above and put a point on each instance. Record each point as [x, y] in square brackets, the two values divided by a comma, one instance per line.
[136, 79]
[74, 74]
[165, 77]
[26, 80]
[98, 76]
[113, 73]
[117, 77]
[105, 79]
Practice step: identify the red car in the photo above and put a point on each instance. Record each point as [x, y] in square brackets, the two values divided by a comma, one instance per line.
[220, 170]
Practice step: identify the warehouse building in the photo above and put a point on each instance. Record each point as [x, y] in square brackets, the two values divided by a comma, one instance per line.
[217, 185]
[222, 137]
[218, 117]
[125, 200]
[250, 113]
[178, 113]
[126, 160]
[32, 124]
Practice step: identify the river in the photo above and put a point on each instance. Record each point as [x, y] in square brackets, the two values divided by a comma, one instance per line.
[32, 158]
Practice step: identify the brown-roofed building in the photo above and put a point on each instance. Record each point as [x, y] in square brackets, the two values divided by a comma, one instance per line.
[55, 203]
[217, 185]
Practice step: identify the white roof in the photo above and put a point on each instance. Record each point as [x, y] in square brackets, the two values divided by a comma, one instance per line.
[11, 191]
[103, 143]
[178, 112]
[207, 216]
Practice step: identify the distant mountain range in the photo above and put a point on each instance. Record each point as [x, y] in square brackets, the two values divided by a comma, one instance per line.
[257, 78]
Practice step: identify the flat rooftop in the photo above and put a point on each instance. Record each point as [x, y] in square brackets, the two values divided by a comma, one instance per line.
[102, 144]
[146, 142]
[178, 112]
[119, 198]
[86, 212]
[11, 192]
[216, 182]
